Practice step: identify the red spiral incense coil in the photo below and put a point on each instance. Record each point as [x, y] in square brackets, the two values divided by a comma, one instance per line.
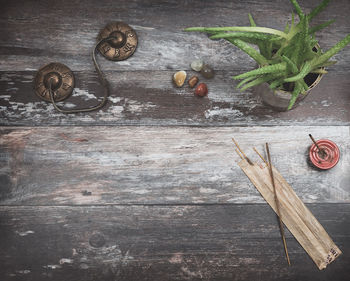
[328, 157]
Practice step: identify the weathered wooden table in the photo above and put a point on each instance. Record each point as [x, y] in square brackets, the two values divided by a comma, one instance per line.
[148, 188]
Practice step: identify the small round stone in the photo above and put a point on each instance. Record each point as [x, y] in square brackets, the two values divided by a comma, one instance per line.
[193, 81]
[179, 78]
[197, 65]
[201, 90]
[207, 71]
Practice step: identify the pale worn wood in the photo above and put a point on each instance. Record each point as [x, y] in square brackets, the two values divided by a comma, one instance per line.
[208, 242]
[294, 214]
[54, 165]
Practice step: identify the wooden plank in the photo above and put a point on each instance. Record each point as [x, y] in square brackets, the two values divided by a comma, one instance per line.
[150, 98]
[159, 165]
[232, 242]
[32, 34]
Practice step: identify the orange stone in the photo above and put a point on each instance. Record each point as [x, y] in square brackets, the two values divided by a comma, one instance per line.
[193, 81]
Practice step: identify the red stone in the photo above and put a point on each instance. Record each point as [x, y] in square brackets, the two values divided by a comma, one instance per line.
[201, 90]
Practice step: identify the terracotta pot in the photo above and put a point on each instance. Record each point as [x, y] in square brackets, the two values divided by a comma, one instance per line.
[279, 99]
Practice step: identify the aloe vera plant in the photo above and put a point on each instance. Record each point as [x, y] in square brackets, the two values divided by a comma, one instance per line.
[285, 57]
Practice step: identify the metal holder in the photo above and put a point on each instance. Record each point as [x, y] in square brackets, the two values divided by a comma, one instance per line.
[54, 82]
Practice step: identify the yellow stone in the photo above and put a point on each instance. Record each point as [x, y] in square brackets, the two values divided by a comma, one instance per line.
[179, 78]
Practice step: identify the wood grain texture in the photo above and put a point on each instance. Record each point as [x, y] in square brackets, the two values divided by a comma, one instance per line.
[34, 33]
[161, 243]
[148, 165]
[84, 201]
[150, 98]
[281, 197]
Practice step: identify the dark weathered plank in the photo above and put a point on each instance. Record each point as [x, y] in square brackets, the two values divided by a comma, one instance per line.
[232, 242]
[55, 165]
[33, 34]
[150, 98]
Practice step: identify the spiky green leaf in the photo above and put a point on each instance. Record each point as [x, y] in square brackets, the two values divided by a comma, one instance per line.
[251, 20]
[261, 60]
[297, 89]
[321, 26]
[263, 70]
[318, 9]
[316, 62]
[297, 8]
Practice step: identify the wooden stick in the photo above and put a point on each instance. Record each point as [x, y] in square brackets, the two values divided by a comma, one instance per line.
[239, 154]
[321, 151]
[262, 158]
[295, 215]
[313, 140]
[245, 156]
[277, 204]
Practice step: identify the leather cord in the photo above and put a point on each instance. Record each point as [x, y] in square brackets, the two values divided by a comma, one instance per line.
[102, 79]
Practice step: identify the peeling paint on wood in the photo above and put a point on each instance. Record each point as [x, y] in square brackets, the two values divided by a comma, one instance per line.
[24, 233]
[142, 92]
[150, 98]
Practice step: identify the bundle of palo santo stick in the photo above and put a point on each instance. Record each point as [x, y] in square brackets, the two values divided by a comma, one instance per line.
[290, 210]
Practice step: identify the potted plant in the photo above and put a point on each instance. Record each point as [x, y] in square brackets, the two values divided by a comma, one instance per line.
[290, 61]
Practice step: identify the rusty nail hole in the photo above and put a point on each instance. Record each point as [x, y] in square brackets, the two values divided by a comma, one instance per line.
[86, 193]
[97, 240]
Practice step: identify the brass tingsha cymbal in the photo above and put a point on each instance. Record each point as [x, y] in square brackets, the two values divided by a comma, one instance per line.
[62, 81]
[122, 46]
